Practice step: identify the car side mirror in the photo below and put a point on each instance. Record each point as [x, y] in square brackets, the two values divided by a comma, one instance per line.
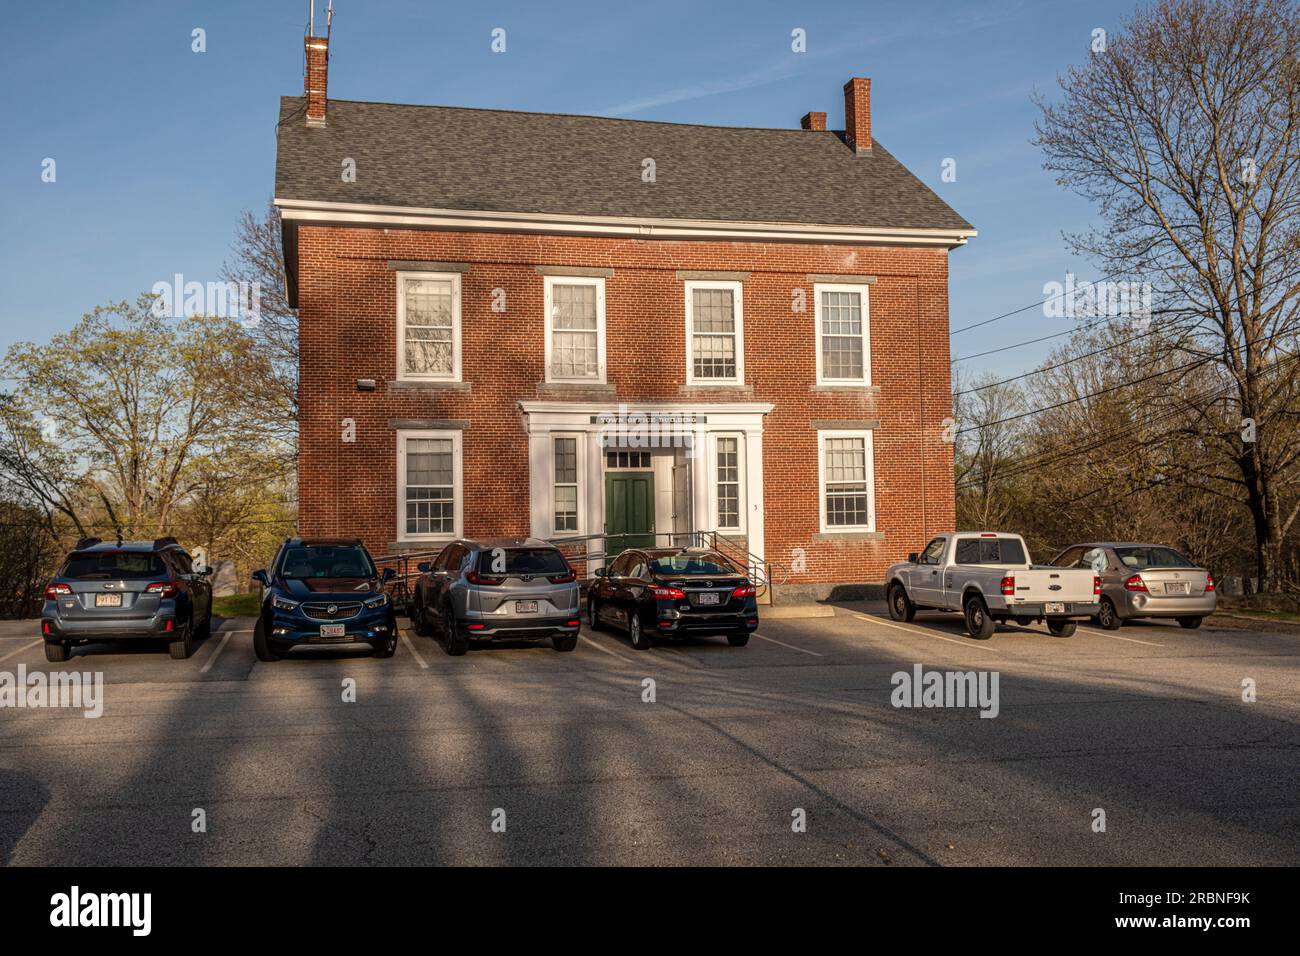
[423, 567]
[600, 572]
[207, 572]
[261, 578]
[912, 558]
[387, 575]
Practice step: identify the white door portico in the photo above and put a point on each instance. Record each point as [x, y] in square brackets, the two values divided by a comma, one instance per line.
[569, 444]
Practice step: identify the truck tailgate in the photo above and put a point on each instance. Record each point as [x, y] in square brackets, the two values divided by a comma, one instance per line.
[1039, 585]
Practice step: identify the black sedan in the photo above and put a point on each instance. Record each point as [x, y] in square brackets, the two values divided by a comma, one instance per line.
[673, 592]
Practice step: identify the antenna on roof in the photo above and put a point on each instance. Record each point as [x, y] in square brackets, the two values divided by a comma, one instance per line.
[329, 17]
[311, 18]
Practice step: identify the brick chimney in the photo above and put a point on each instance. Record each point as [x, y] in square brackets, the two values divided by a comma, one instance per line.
[814, 121]
[857, 114]
[314, 79]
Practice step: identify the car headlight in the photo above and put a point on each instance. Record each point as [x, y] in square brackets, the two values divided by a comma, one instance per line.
[381, 601]
[283, 604]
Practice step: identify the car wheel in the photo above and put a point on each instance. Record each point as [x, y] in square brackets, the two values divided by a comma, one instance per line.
[1108, 618]
[565, 644]
[419, 624]
[182, 646]
[454, 643]
[1191, 623]
[593, 618]
[640, 639]
[388, 649]
[738, 640]
[901, 607]
[978, 623]
[57, 653]
[1062, 628]
[260, 646]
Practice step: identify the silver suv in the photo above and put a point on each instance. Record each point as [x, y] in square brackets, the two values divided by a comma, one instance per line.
[506, 589]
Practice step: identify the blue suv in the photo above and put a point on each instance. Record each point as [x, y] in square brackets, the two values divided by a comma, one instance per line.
[323, 591]
[127, 589]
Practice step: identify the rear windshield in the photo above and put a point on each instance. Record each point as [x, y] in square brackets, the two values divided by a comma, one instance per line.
[990, 551]
[1152, 558]
[709, 564]
[522, 561]
[114, 565]
[327, 561]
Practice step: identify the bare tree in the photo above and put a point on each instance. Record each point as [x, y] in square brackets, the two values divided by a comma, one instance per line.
[1183, 131]
[259, 260]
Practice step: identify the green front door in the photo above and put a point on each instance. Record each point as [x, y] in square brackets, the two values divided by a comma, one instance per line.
[629, 510]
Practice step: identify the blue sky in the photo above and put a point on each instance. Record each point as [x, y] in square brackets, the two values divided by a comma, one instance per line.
[158, 148]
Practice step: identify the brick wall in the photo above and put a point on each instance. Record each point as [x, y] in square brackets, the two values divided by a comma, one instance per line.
[348, 331]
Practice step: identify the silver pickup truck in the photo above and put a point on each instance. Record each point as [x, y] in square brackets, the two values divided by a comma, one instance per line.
[987, 576]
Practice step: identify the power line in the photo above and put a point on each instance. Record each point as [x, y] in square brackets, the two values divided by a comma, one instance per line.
[1032, 305]
[1083, 398]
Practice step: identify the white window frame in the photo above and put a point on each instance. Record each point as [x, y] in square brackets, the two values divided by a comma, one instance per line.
[402, 374]
[457, 477]
[738, 301]
[580, 440]
[742, 480]
[869, 450]
[548, 305]
[865, 292]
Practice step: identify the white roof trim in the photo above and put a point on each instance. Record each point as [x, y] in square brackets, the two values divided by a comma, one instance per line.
[365, 214]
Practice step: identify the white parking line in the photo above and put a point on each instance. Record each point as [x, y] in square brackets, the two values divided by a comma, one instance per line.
[912, 630]
[424, 665]
[602, 647]
[1131, 640]
[25, 647]
[207, 666]
[801, 650]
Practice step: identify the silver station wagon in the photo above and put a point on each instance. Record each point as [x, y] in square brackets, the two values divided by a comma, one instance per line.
[1144, 580]
[506, 589]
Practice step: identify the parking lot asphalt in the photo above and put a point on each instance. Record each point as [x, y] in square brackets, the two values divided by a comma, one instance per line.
[1147, 724]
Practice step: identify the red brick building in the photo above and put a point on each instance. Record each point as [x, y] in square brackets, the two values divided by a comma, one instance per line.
[566, 326]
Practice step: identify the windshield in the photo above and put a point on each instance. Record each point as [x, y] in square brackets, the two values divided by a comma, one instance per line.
[113, 565]
[327, 561]
[990, 551]
[1152, 558]
[708, 564]
[523, 561]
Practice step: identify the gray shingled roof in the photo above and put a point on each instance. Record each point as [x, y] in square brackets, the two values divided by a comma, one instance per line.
[445, 157]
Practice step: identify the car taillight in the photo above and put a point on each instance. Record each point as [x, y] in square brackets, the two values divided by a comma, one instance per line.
[745, 590]
[1008, 586]
[1209, 581]
[565, 578]
[53, 591]
[1096, 584]
[162, 589]
[473, 577]
[1135, 583]
[668, 594]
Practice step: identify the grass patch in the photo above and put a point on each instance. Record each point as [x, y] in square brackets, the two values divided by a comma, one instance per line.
[238, 605]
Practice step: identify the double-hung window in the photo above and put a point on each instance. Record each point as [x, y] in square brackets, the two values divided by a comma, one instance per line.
[575, 329]
[843, 334]
[847, 478]
[428, 326]
[715, 347]
[429, 485]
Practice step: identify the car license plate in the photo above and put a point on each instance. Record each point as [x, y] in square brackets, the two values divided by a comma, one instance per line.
[1053, 608]
[525, 607]
[108, 600]
[1176, 587]
[333, 630]
[708, 598]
